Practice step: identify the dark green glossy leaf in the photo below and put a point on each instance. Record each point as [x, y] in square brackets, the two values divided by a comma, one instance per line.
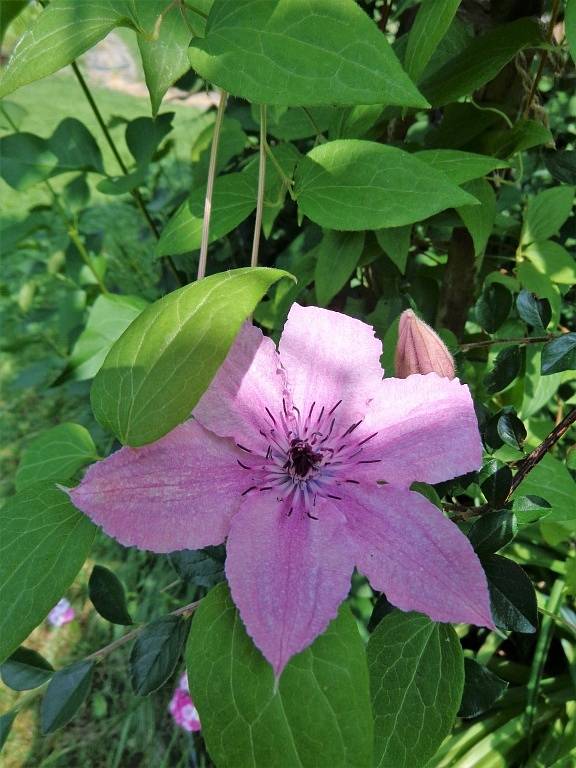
[337, 257]
[56, 455]
[512, 596]
[562, 165]
[44, 543]
[65, 695]
[108, 597]
[25, 669]
[534, 311]
[493, 306]
[319, 717]
[507, 366]
[314, 52]
[495, 480]
[559, 354]
[416, 678]
[159, 368]
[156, 652]
[511, 430]
[203, 567]
[492, 531]
[482, 689]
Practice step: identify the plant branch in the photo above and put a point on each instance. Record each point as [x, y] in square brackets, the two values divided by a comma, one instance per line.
[492, 342]
[543, 58]
[261, 187]
[210, 185]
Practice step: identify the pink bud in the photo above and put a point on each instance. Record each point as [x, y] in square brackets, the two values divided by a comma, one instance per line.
[420, 349]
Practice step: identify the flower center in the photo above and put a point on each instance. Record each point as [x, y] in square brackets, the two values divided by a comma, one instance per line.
[302, 458]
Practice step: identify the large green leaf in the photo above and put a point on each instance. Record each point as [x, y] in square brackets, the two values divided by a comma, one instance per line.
[44, 543]
[416, 678]
[159, 368]
[351, 185]
[430, 25]
[460, 166]
[56, 455]
[480, 61]
[320, 716]
[301, 52]
[552, 260]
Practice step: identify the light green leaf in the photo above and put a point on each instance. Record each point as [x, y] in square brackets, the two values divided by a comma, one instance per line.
[551, 480]
[9, 10]
[552, 260]
[43, 546]
[416, 678]
[319, 718]
[62, 32]
[314, 53]
[233, 200]
[159, 368]
[337, 257]
[546, 212]
[460, 166]
[350, 185]
[26, 160]
[109, 317]
[395, 242]
[538, 389]
[480, 61]
[479, 219]
[56, 455]
[430, 25]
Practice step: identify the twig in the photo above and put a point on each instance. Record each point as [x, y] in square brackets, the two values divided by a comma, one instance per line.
[491, 342]
[543, 58]
[210, 186]
[261, 187]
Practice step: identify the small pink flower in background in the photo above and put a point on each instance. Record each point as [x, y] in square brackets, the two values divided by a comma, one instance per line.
[62, 613]
[302, 459]
[182, 707]
[420, 349]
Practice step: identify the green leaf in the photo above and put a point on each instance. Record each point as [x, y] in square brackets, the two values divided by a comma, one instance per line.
[6, 722]
[430, 25]
[156, 652]
[460, 166]
[495, 480]
[290, 124]
[552, 260]
[533, 280]
[25, 669]
[43, 546]
[351, 185]
[203, 567]
[395, 242]
[233, 200]
[416, 677]
[337, 257]
[492, 531]
[559, 354]
[562, 165]
[245, 723]
[512, 596]
[534, 311]
[511, 430]
[570, 25]
[546, 212]
[479, 219]
[525, 134]
[109, 317]
[76, 194]
[482, 689]
[65, 695]
[314, 52]
[480, 61]
[61, 33]
[56, 455]
[75, 148]
[551, 480]
[159, 368]
[493, 306]
[9, 10]
[529, 509]
[507, 366]
[26, 160]
[108, 597]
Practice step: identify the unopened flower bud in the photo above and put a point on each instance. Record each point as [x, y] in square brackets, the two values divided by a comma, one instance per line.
[420, 349]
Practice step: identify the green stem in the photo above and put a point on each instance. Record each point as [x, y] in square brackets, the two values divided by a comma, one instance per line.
[77, 240]
[287, 181]
[261, 188]
[210, 186]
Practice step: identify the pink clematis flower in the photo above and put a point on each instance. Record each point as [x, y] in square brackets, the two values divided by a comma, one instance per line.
[182, 707]
[302, 458]
[61, 614]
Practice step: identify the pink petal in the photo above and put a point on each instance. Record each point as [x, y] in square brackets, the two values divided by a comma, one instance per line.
[427, 431]
[177, 493]
[418, 557]
[330, 357]
[249, 381]
[287, 574]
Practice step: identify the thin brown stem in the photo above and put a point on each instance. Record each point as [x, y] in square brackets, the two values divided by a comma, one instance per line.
[261, 188]
[210, 186]
[492, 342]
[543, 58]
